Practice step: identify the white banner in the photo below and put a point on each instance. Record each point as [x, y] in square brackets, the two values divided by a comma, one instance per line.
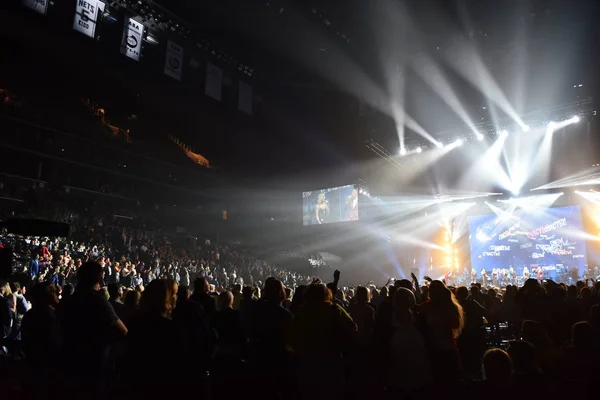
[214, 81]
[245, 98]
[131, 44]
[86, 15]
[40, 6]
[174, 60]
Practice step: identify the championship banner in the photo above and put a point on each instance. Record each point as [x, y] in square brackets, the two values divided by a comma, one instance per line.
[174, 60]
[131, 44]
[214, 81]
[86, 15]
[245, 98]
[40, 6]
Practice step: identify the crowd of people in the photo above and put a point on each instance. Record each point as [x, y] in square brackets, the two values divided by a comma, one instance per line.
[158, 318]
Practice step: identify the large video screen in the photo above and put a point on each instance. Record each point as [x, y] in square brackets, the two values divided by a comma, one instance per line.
[330, 205]
[548, 238]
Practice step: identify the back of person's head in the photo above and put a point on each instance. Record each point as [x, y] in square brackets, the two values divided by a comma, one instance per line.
[491, 293]
[159, 298]
[183, 293]
[67, 291]
[405, 283]
[475, 290]
[5, 289]
[572, 291]
[15, 286]
[247, 292]
[269, 279]
[438, 292]
[317, 293]
[497, 366]
[89, 275]
[299, 293]
[44, 294]
[362, 294]
[132, 299]
[534, 332]
[113, 290]
[523, 357]
[462, 293]
[585, 293]
[201, 285]
[225, 300]
[582, 335]
[404, 299]
[274, 291]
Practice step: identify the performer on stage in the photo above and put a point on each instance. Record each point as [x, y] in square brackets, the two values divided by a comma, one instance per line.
[575, 274]
[484, 278]
[322, 209]
[495, 277]
[525, 274]
[473, 276]
[503, 278]
[352, 205]
[511, 275]
[539, 274]
[448, 276]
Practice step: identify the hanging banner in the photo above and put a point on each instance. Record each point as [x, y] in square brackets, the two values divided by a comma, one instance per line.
[174, 60]
[86, 15]
[245, 98]
[40, 6]
[131, 44]
[214, 81]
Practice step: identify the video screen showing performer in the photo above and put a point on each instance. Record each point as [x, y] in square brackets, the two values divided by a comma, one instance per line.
[351, 209]
[330, 205]
[540, 244]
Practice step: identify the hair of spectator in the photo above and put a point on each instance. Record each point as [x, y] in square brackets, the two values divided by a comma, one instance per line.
[89, 274]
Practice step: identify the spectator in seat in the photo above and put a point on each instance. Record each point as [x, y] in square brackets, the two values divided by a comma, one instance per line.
[201, 296]
[89, 325]
[115, 293]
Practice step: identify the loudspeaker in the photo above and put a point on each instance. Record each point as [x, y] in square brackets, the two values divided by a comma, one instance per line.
[6, 255]
[37, 227]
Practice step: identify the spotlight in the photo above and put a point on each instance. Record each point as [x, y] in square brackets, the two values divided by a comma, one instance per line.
[439, 145]
[458, 142]
[403, 151]
[503, 132]
[525, 128]
[479, 137]
[418, 150]
[575, 119]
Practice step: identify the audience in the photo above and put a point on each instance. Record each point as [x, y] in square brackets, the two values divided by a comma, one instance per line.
[160, 338]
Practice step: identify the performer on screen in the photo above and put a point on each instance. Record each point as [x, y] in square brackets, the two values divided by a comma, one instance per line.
[322, 209]
[495, 277]
[473, 276]
[539, 274]
[352, 205]
[525, 273]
